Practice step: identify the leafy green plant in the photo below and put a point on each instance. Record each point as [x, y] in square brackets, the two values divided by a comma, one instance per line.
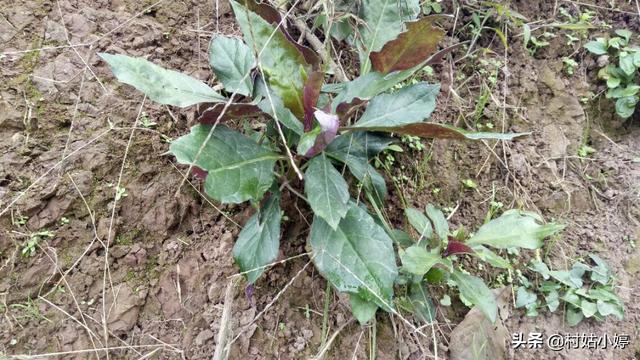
[435, 256]
[30, 246]
[582, 298]
[313, 132]
[620, 73]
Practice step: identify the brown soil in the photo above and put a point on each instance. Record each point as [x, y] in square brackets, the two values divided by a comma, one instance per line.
[67, 142]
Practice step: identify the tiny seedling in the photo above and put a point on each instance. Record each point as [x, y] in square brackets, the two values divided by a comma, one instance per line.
[31, 245]
[620, 73]
[146, 121]
[317, 135]
[569, 65]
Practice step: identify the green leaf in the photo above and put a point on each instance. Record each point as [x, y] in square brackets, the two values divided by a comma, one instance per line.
[525, 298]
[588, 308]
[409, 105]
[626, 106]
[553, 300]
[410, 48]
[419, 221]
[382, 21]
[282, 62]
[367, 86]
[357, 257]
[602, 272]
[327, 191]
[163, 86]
[232, 61]
[574, 316]
[566, 278]
[422, 303]
[307, 140]
[514, 229]
[259, 240]
[492, 258]
[541, 268]
[526, 31]
[401, 238]
[604, 293]
[284, 115]
[571, 298]
[367, 175]
[626, 34]
[619, 92]
[418, 261]
[607, 308]
[626, 64]
[440, 224]
[362, 145]
[361, 309]
[617, 42]
[613, 82]
[238, 168]
[354, 150]
[636, 59]
[597, 47]
[474, 290]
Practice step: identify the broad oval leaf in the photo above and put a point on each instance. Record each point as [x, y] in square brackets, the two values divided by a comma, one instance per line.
[361, 309]
[282, 62]
[418, 261]
[410, 48]
[419, 221]
[597, 47]
[514, 229]
[440, 224]
[163, 86]
[357, 257]
[327, 191]
[409, 105]
[232, 61]
[476, 291]
[237, 168]
[259, 240]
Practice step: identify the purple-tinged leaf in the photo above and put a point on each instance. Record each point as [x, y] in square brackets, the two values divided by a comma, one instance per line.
[310, 95]
[199, 172]
[234, 111]
[439, 131]
[410, 48]
[455, 247]
[329, 124]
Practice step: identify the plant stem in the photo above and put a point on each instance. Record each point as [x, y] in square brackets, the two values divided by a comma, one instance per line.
[325, 315]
